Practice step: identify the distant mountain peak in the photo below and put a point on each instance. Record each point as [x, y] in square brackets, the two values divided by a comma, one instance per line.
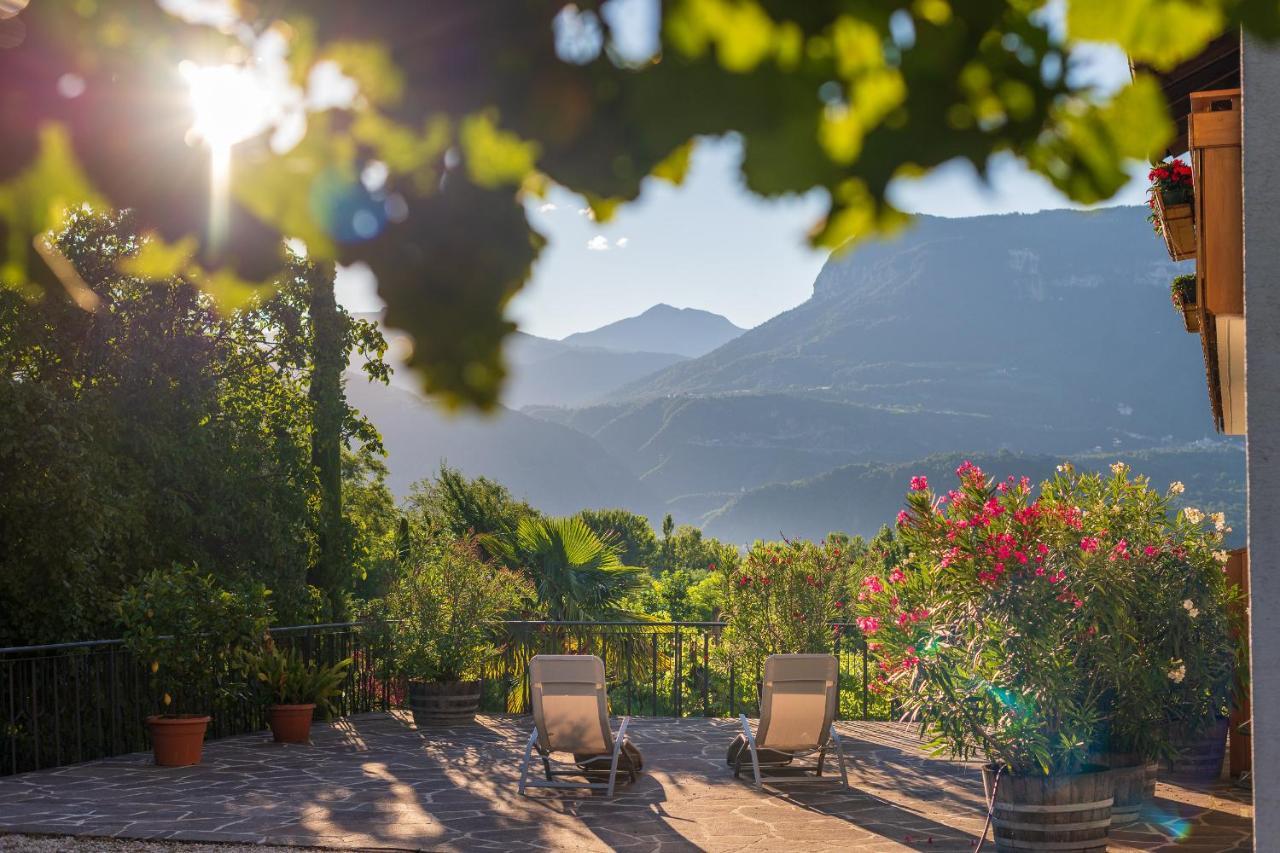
[662, 328]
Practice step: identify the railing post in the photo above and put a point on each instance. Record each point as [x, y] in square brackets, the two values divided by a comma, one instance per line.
[677, 682]
[653, 675]
[706, 673]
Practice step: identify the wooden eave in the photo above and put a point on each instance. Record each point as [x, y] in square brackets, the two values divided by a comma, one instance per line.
[1216, 67]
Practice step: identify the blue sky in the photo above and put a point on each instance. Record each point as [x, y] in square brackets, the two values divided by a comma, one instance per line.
[711, 244]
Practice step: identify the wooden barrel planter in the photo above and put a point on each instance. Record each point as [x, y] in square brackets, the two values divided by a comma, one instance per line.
[1069, 813]
[1129, 779]
[447, 703]
[1151, 771]
[1200, 757]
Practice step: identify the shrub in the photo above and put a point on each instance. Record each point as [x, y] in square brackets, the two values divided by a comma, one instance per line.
[783, 596]
[192, 635]
[445, 606]
[1024, 629]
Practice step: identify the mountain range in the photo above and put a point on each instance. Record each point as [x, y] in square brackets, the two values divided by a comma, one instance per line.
[1044, 336]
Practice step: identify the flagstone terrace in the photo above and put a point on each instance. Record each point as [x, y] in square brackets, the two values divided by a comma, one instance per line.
[374, 781]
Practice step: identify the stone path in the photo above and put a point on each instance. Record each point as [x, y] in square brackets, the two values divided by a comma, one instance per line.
[375, 782]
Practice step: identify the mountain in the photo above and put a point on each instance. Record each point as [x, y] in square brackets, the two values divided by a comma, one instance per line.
[554, 373]
[684, 331]
[558, 470]
[860, 498]
[1060, 317]
[1047, 333]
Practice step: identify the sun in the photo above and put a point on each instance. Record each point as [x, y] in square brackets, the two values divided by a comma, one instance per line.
[229, 102]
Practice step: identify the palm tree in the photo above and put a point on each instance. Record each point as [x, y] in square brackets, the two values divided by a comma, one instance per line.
[579, 575]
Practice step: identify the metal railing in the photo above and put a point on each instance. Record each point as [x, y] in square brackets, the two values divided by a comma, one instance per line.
[669, 669]
[64, 703]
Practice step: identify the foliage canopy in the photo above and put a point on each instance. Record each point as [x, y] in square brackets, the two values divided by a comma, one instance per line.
[463, 111]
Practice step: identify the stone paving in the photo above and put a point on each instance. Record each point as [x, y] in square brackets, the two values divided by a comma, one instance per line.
[375, 782]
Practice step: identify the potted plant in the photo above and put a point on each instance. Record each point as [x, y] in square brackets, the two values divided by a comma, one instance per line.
[190, 634]
[293, 689]
[1170, 198]
[1128, 558]
[1183, 292]
[979, 627]
[445, 605]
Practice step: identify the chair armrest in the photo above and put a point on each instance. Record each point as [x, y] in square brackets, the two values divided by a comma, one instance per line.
[622, 729]
[746, 730]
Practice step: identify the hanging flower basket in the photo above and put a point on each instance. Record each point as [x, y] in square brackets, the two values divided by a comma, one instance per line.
[1170, 198]
[1183, 293]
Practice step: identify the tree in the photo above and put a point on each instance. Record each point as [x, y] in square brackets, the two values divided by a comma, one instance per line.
[577, 575]
[637, 546]
[452, 507]
[423, 175]
[150, 432]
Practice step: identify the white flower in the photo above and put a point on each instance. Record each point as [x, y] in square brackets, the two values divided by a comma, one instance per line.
[1178, 672]
[1119, 468]
[1189, 606]
[1219, 521]
[1221, 556]
[1065, 468]
[1176, 487]
[1193, 515]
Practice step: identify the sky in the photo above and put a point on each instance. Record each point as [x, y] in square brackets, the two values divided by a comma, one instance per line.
[711, 244]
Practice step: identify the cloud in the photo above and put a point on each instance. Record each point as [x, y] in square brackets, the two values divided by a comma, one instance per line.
[621, 242]
[547, 207]
[587, 212]
[598, 243]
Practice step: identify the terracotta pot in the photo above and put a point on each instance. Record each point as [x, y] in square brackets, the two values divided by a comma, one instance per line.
[444, 703]
[1190, 317]
[291, 723]
[177, 740]
[1068, 813]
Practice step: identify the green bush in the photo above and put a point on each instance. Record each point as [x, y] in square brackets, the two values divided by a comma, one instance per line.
[783, 596]
[192, 634]
[443, 608]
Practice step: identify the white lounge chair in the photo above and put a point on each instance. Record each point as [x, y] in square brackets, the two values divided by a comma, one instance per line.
[571, 714]
[797, 720]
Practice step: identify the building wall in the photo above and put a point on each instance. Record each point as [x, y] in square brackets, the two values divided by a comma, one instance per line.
[1261, 162]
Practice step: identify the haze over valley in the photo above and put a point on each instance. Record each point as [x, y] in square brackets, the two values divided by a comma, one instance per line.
[1023, 339]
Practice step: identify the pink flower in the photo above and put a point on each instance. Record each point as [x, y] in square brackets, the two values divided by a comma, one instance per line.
[896, 576]
[1151, 550]
[868, 624]
[873, 584]
[903, 518]
[1088, 544]
[919, 483]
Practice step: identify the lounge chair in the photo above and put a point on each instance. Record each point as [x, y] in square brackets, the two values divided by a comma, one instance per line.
[797, 720]
[571, 714]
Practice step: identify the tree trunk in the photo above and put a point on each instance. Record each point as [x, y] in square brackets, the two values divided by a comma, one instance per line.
[328, 407]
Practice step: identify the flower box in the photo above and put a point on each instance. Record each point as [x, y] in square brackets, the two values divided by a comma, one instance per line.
[1171, 199]
[1214, 135]
[1176, 223]
[1183, 292]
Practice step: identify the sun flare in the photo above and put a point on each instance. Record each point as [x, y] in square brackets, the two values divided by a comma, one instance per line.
[229, 102]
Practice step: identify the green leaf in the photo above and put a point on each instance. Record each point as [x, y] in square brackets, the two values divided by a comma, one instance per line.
[495, 157]
[1159, 33]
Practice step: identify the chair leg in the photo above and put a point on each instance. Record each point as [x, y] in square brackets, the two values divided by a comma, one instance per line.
[822, 758]
[755, 756]
[528, 755]
[835, 737]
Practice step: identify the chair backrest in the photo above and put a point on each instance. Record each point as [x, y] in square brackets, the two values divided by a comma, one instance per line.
[570, 706]
[798, 703]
